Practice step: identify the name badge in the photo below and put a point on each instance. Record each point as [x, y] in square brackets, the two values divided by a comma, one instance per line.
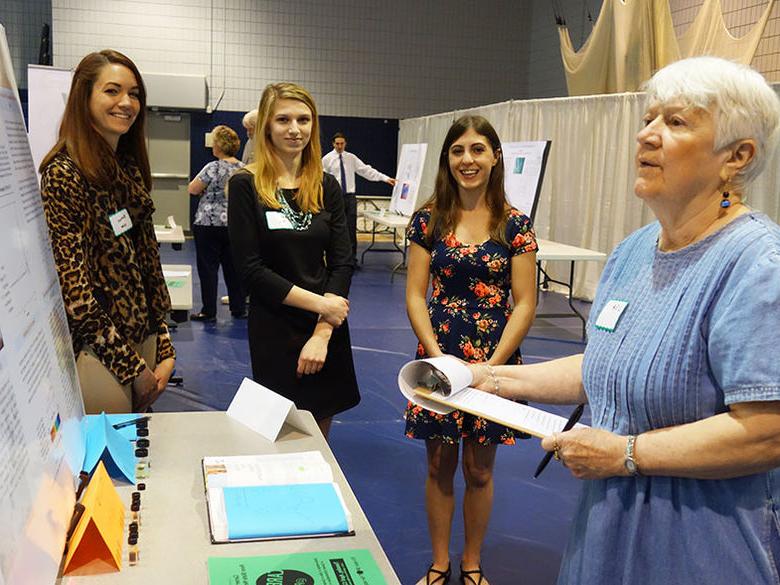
[120, 221]
[610, 314]
[276, 220]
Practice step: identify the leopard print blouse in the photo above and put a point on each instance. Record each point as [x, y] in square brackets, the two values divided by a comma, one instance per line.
[113, 287]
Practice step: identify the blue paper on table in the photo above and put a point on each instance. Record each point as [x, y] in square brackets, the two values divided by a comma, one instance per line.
[106, 443]
[269, 511]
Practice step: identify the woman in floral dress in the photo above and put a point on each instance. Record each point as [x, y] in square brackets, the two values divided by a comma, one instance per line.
[475, 249]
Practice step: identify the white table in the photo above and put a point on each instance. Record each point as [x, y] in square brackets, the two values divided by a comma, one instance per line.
[178, 279]
[170, 235]
[554, 251]
[393, 221]
[181, 300]
[173, 538]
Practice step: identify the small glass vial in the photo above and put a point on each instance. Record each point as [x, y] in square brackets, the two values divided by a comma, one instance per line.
[133, 555]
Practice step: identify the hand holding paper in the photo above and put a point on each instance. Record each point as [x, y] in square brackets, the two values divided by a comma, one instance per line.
[418, 381]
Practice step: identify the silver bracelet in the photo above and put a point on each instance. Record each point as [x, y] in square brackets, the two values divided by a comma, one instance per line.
[492, 372]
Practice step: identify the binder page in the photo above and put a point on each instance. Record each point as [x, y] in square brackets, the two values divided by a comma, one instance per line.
[276, 469]
[522, 417]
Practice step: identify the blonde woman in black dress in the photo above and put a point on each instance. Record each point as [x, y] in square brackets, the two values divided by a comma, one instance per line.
[292, 251]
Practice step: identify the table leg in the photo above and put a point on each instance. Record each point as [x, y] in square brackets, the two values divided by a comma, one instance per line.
[569, 298]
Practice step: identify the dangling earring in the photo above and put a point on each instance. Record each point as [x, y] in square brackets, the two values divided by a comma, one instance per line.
[725, 202]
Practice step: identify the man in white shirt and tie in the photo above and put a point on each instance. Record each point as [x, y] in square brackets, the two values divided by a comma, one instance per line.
[343, 165]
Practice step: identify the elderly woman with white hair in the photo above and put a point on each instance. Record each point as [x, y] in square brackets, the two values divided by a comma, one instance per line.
[682, 365]
[249, 121]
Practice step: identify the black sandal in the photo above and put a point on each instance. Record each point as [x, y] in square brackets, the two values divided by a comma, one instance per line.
[442, 577]
[468, 575]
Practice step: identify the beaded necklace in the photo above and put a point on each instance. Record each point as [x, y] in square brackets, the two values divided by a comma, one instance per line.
[300, 220]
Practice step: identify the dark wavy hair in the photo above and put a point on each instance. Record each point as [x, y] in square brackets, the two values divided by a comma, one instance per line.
[78, 136]
[445, 203]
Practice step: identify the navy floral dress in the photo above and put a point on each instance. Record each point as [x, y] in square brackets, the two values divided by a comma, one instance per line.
[469, 307]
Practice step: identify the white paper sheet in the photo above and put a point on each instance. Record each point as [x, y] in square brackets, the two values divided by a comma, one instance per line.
[263, 410]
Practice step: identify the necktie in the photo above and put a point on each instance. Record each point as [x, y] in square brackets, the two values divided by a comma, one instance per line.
[343, 174]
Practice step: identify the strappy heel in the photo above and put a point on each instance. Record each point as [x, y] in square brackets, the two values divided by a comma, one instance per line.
[439, 577]
[470, 576]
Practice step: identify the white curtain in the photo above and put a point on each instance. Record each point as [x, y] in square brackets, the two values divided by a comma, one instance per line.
[587, 198]
[632, 39]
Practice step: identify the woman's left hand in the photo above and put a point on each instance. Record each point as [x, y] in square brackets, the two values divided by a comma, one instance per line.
[312, 356]
[163, 373]
[589, 453]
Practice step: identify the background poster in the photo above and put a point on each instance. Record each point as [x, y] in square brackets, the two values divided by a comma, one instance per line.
[409, 175]
[524, 164]
[41, 444]
[47, 93]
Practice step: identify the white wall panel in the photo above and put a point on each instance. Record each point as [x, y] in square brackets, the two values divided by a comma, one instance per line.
[359, 58]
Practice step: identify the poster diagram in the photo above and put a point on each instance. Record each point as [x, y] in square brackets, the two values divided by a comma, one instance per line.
[40, 430]
[524, 165]
[410, 170]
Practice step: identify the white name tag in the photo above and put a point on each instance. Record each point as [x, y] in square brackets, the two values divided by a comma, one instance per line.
[120, 221]
[276, 220]
[610, 314]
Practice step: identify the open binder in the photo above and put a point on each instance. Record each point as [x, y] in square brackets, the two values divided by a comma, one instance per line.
[273, 497]
[442, 384]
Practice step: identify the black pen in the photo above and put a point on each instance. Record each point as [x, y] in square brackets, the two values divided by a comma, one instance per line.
[127, 423]
[575, 416]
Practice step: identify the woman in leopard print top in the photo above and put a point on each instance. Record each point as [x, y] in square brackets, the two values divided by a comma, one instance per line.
[95, 186]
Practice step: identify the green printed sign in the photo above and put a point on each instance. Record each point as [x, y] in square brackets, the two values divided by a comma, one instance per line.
[170, 283]
[345, 567]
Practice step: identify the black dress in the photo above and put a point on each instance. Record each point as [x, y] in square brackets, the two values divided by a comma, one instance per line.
[270, 261]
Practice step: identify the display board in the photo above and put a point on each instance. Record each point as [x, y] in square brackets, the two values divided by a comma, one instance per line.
[524, 165]
[47, 93]
[409, 175]
[41, 444]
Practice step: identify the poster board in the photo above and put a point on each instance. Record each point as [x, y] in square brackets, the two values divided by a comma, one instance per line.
[41, 442]
[524, 166]
[48, 89]
[409, 175]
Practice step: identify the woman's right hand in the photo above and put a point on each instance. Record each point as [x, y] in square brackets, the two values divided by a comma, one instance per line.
[334, 310]
[145, 390]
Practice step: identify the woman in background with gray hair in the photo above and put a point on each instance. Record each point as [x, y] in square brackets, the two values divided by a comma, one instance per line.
[212, 244]
[681, 369]
[249, 121]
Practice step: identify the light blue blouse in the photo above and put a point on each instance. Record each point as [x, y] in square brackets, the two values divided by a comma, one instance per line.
[701, 330]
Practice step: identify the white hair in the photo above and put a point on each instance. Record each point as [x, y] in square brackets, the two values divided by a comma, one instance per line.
[250, 119]
[741, 102]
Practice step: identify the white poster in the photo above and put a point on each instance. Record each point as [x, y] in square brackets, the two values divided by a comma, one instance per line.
[524, 164]
[47, 94]
[409, 175]
[41, 445]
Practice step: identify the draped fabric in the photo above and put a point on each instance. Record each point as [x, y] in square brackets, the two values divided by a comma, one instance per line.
[708, 35]
[632, 39]
[587, 196]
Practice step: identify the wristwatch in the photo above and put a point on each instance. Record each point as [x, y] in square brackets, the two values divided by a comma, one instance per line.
[630, 462]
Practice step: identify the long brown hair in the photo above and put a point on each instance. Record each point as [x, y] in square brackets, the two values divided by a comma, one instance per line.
[445, 203]
[78, 136]
[309, 195]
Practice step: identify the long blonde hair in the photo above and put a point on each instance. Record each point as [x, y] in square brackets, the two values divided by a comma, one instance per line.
[309, 195]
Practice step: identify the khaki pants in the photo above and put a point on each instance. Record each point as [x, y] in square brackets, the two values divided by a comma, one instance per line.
[100, 389]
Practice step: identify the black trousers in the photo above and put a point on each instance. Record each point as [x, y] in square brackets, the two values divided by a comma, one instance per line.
[350, 207]
[212, 248]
